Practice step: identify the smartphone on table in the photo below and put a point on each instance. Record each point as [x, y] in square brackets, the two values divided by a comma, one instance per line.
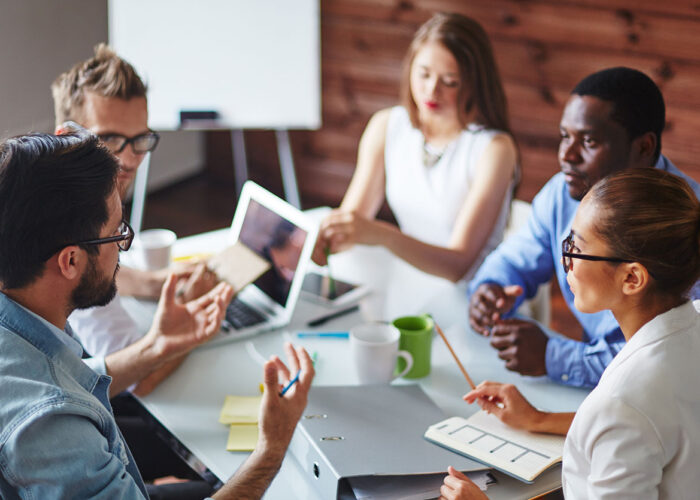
[319, 288]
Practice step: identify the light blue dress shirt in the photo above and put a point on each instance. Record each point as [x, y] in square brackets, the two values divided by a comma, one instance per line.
[58, 437]
[533, 255]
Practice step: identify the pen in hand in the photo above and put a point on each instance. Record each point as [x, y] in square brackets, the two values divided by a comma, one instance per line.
[290, 383]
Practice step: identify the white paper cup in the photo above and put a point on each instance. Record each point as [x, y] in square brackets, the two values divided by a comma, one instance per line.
[375, 349]
[153, 248]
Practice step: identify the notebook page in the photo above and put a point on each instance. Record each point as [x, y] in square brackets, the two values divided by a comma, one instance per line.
[483, 437]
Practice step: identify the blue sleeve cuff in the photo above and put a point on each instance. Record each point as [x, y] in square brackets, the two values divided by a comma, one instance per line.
[581, 364]
[561, 359]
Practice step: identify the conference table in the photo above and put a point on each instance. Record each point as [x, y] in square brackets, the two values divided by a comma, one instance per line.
[188, 403]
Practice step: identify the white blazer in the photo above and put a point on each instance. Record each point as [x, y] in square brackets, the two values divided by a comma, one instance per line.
[637, 434]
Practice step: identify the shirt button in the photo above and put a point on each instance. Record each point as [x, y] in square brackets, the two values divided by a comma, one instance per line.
[564, 377]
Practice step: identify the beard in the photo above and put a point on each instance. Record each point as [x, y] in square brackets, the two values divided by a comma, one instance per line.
[94, 290]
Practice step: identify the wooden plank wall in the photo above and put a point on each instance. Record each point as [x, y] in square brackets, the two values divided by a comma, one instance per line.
[543, 47]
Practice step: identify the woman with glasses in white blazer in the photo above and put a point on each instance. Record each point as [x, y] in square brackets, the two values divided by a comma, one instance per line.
[634, 249]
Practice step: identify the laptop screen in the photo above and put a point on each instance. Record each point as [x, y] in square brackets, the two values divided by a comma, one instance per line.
[276, 240]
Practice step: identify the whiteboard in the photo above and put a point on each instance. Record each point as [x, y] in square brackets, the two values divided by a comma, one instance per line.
[255, 62]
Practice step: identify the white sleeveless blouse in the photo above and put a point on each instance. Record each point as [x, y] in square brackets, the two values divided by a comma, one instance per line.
[426, 200]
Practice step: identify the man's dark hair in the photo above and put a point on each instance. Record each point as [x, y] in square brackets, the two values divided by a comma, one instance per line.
[637, 102]
[53, 193]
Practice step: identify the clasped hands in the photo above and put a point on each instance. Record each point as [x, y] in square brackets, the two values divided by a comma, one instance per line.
[520, 343]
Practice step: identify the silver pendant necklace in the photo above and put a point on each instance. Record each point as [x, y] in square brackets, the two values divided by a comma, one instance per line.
[431, 155]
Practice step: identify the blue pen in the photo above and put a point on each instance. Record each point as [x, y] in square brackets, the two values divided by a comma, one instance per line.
[327, 335]
[290, 384]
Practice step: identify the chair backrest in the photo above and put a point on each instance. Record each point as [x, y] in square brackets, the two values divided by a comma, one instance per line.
[539, 307]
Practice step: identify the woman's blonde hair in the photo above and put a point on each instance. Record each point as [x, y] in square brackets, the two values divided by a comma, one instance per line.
[480, 81]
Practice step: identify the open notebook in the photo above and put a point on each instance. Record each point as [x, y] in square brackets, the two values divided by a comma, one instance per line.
[483, 437]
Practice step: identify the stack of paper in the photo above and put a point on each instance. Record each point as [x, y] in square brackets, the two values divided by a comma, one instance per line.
[241, 413]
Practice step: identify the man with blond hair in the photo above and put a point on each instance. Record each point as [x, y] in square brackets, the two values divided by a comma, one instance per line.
[106, 96]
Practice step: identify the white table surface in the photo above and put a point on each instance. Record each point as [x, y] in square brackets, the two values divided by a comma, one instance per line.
[189, 401]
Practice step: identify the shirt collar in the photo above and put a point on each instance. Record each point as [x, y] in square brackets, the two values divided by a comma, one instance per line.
[65, 336]
[676, 320]
[58, 345]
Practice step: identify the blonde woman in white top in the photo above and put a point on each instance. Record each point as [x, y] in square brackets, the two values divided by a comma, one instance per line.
[444, 160]
[634, 248]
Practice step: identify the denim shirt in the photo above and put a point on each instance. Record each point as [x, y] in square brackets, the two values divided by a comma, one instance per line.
[58, 437]
[533, 255]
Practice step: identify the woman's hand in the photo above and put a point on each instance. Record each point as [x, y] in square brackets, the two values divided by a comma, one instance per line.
[457, 486]
[506, 402]
[344, 229]
[341, 230]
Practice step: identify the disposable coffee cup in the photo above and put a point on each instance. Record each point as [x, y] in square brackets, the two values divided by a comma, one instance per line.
[154, 248]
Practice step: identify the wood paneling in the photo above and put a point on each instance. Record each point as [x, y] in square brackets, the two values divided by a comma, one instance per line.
[543, 48]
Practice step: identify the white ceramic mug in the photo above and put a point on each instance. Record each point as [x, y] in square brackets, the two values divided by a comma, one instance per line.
[153, 248]
[375, 348]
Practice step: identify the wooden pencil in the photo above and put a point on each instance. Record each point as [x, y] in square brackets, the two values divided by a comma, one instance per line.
[464, 372]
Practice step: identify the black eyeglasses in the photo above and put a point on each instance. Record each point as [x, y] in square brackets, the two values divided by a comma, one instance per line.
[567, 255]
[123, 240]
[140, 144]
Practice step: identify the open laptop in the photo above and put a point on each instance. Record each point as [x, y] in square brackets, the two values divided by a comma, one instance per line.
[285, 237]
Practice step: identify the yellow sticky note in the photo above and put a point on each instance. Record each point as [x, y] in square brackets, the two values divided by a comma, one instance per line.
[195, 256]
[240, 410]
[242, 437]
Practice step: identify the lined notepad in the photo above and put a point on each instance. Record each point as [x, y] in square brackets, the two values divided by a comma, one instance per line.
[483, 437]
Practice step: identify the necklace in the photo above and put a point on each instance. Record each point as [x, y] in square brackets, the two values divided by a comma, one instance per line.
[431, 155]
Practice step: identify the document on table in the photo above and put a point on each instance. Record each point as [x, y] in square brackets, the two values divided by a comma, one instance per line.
[409, 487]
[238, 266]
[521, 454]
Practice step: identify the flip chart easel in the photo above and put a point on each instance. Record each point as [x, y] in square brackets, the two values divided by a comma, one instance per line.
[256, 65]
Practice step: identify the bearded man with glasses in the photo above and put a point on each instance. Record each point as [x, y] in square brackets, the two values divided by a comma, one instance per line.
[61, 232]
[105, 96]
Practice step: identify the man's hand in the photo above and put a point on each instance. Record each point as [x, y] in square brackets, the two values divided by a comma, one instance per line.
[522, 345]
[457, 486]
[199, 281]
[488, 303]
[177, 328]
[279, 415]
[278, 419]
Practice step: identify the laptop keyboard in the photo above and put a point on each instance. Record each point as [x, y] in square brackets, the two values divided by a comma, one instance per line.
[240, 315]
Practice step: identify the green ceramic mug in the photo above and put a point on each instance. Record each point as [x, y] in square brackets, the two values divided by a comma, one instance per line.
[417, 339]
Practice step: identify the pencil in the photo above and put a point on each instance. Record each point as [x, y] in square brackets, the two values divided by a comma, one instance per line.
[464, 372]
